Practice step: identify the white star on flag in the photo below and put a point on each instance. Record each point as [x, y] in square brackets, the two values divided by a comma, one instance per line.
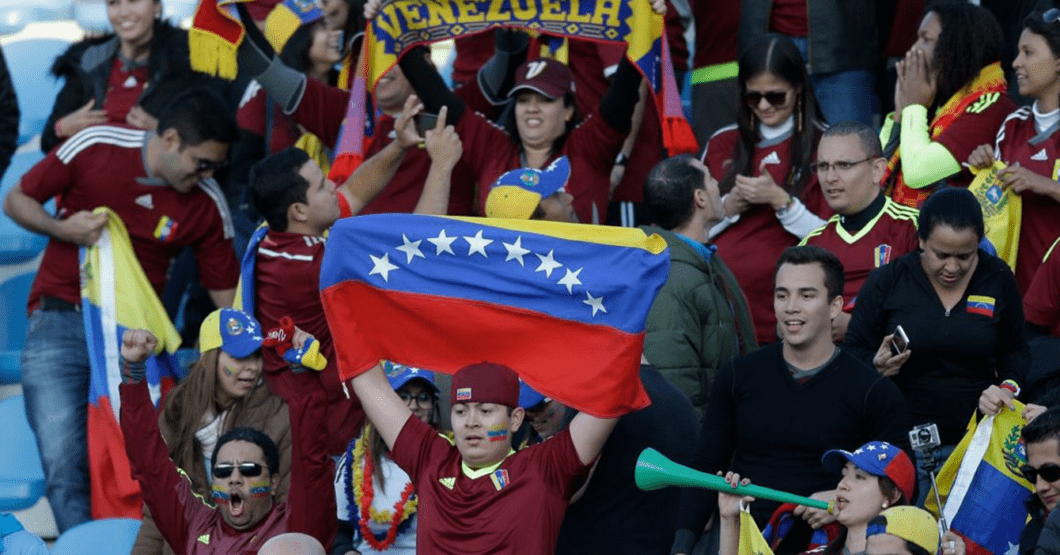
[547, 264]
[478, 244]
[411, 249]
[871, 447]
[597, 303]
[382, 266]
[442, 243]
[571, 279]
[516, 251]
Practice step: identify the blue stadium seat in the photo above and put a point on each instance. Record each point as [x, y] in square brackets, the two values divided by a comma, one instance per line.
[108, 536]
[21, 475]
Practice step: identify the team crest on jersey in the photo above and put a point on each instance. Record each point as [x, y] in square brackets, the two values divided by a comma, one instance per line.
[883, 255]
[165, 228]
[500, 479]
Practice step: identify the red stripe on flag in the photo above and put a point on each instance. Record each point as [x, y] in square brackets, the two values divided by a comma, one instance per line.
[114, 492]
[445, 334]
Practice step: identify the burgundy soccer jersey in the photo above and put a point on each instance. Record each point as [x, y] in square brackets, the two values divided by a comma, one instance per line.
[591, 148]
[976, 126]
[1041, 302]
[1019, 141]
[514, 507]
[287, 283]
[252, 117]
[104, 166]
[889, 235]
[752, 245]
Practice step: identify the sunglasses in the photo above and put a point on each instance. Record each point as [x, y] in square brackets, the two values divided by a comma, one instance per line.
[774, 98]
[422, 398]
[203, 165]
[841, 166]
[247, 470]
[1051, 15]
[1049, 472]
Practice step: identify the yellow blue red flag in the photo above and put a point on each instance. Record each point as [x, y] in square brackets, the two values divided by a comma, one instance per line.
[115, 296]
[751, 540]
[981, 486]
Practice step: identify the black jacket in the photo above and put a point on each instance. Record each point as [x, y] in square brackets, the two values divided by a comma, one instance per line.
[8, 117]
[955, 355]
[842, 33]
[86, 68]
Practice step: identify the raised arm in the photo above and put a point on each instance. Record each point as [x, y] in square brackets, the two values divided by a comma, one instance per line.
[384, 408]
[589, 434]
[444, 147]
[429, 86]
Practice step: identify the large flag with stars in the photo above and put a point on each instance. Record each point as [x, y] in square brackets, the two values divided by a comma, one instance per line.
[562, 304]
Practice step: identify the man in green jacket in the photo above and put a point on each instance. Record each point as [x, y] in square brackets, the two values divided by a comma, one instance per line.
[700, 317]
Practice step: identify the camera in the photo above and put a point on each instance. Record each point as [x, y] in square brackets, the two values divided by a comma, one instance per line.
[924, 438]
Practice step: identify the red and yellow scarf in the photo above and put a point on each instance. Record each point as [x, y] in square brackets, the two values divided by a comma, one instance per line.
[990, 80]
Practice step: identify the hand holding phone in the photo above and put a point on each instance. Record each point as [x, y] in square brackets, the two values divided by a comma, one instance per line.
[900, 342]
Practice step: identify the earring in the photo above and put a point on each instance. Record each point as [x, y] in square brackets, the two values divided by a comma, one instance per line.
[798, 114]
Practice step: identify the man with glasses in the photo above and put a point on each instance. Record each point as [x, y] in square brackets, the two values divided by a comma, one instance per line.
[246, 466]
[160, 184]
[1042, 439]
[868, 229]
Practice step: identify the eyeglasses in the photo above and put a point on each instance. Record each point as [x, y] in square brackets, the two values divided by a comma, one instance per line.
[842, 165]
[203, 165]
[774, 98]
[1049, 472]
[247, 469]
[1051, 15]
[422, 398]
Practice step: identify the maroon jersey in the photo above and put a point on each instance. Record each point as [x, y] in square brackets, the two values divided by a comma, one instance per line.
[591, 148]
[975, 126]
[889, 235]
[252, 117]
[104, 166]
[715, 38]
[1019, 141]
[515, 506]
[123, 89]
[752, 245]
[1041, 302]
[287, 283]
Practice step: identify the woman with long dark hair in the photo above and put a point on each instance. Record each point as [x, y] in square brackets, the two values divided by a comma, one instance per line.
[1027, 143]
[950, 98]
[764, 162]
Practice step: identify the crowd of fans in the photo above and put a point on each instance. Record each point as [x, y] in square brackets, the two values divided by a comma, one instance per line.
[832, 280]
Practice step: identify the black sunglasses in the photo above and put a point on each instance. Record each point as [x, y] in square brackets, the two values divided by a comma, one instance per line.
[1049, 472]
[1051, 15]
[423, 397]
[248, 470]
[203, 165]
[774, 98]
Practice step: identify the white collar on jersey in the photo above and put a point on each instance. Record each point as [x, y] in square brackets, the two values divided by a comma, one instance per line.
[1044, 121]
[769, 133]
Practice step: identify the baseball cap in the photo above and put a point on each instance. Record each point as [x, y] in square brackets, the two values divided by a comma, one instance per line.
[528, 396]
[399, 375]
[286, 18]
[485, 382]
[909, 523]
[549, 77]
[234, 331]
[878, 458]
[517, 193]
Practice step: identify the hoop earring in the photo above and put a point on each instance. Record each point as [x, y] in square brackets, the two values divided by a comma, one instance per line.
[798, 114]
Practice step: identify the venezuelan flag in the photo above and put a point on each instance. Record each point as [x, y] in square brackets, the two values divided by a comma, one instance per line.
[980, 304]
[562, 304]
[751, 540]
[115, 296]
[980, 484]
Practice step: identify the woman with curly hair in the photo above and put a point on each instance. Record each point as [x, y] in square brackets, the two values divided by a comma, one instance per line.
[950, 98]
[770, 193]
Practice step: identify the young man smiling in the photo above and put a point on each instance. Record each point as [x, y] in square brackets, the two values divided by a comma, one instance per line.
[774, 412]
[868, 229]
[477, 495]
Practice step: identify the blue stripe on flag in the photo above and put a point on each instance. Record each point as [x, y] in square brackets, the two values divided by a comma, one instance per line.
[992, 513]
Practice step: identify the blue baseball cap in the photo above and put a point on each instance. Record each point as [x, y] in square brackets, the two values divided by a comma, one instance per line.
[234, 331]
[517, 193]
[398, 375]
[528, 396]
[878, 458]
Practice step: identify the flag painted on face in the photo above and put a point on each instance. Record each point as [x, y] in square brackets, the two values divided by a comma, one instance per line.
[981, 487]
[562, 304]
[115, 296]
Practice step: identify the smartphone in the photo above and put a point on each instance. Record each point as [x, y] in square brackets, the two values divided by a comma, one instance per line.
[900, 342]
[425, 121]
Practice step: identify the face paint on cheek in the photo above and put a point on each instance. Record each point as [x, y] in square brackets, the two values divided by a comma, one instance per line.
[229, 371]
[498, 432]
[261, 488]
[220, 496]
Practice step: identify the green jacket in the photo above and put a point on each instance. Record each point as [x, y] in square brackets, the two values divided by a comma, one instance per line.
[698, 322]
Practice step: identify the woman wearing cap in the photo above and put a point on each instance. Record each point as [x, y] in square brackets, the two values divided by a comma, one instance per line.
[223, 390]
[376, 502]
[876, 476]
[125, 77]
[769, 192]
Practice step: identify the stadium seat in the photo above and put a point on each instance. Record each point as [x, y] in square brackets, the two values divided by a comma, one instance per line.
[21, 475]
[108, 536]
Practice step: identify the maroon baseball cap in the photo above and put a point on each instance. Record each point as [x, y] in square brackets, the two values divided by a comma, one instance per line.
[485, 382]
[544, 75]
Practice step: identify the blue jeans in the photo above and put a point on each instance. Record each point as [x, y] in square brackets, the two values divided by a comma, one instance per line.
[843, 95]
[55, 377]
[923, 480]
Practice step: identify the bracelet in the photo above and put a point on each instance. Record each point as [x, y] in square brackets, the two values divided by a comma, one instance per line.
[1012, 386]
